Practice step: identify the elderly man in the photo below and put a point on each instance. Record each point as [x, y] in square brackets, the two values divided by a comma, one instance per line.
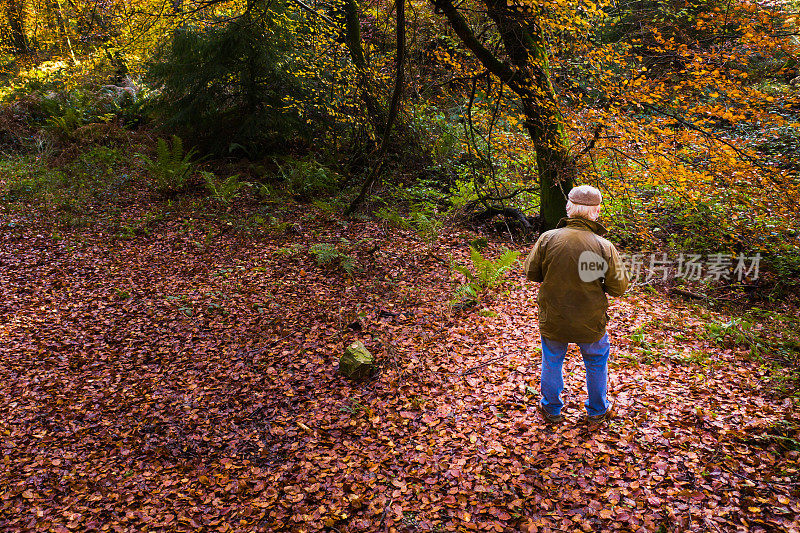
[576, 267]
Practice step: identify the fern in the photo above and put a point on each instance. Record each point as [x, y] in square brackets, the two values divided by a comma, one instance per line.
[172, 167]
[324, 253]
[64, 126]
[224, 191]
[426, 226]
[327, 254]
[307, 179]
[484, 274]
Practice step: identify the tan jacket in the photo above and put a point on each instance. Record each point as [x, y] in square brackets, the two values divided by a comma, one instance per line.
[576, 267]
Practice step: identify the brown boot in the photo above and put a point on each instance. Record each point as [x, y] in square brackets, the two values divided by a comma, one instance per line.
[550, 419]
[608, 415]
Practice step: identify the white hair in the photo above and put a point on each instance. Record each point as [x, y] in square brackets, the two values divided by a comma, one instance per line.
[590, 212]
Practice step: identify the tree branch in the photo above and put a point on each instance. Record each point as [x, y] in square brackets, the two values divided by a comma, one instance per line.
[393, 108]
[595, 136]
[692, 126]
[465, 33]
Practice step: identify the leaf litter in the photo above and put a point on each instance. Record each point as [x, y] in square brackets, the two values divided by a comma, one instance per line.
[154, 384]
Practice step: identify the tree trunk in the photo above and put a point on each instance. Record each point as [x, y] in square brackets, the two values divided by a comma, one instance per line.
[63, 21]
[556, 166]
[394, 107]
[16, 22]
[352, 36]
[527, 73]
[556, 178]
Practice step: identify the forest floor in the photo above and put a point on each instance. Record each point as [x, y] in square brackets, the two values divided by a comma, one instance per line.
[184, 378]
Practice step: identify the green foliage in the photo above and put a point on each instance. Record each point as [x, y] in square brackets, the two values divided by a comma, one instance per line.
[770, 338]
[479, 243]
[224, 191]
[354, 408]
[699, 227]
[308, 179]
[484, 274]
[277, 226]
[327, 207]
[462, 193]
[648, 350]
[732, 333]
[392, 216]
[783, 258]
[139, 226]
[331, 254]
[131, 108]
[762, 332]
[440, 134]
[172, 167]
[100, 173]
[60, 111]
[182, 304]
[103, 171]
[422, 200]
[424, 194]
[63, 126]
[266, 191]
[122, 294]
[648, 22]
[288, 251]
[426, 225]
[225, 83]
[658, 219]
[26, 179]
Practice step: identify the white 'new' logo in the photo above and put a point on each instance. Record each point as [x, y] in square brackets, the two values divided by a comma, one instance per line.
[591, 266]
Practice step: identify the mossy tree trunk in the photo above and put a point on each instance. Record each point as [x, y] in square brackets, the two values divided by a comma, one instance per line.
[526, 71]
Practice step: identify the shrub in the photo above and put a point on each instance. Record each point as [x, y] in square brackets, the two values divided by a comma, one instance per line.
[392, 216]
[440, 134]
[426, 225]
[782, 147]
[63, 126]
[308, 179]
[98, 173]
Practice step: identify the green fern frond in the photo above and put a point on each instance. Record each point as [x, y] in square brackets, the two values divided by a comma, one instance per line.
[504, 263]
[172, 167]
[162, 153]
[487, 273]
[177, 149]
[464, 270]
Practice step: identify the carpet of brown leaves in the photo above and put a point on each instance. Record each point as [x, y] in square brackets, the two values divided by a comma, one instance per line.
[176, 382]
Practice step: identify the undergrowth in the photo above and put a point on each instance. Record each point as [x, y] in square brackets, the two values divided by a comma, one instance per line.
[484, 274]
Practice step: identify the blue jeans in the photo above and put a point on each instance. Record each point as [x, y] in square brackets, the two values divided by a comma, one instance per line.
[595, 358]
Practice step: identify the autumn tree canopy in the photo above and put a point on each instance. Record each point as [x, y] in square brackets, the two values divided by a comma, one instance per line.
[679, 98]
